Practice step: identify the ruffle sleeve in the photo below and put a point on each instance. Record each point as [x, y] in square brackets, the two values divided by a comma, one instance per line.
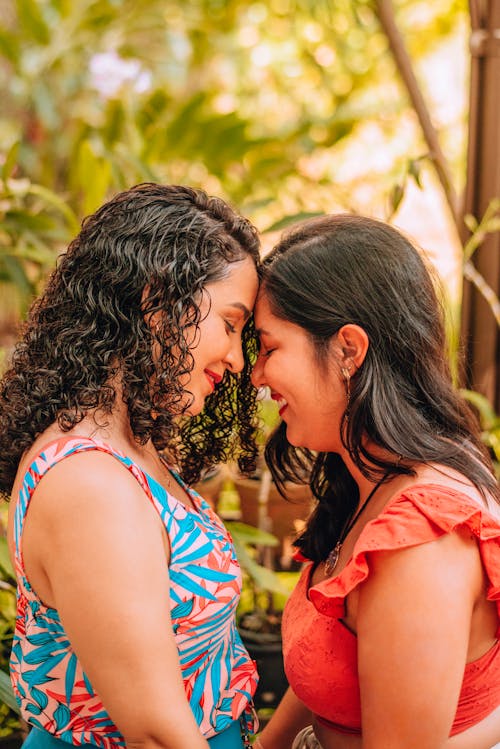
[416, 516]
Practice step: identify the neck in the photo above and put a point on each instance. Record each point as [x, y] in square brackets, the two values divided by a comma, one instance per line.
[365, 485]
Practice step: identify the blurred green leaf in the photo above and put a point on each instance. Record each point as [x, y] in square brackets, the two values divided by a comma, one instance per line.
[292, 219]
[5, 562]
[183, 123]
[481, 403]
[251, 535]
[114, 124]
[31, 19]
[415, 171]
[489, 420]
[7, 693]
[51, 198]
[7, 602]
[19, 221]
[93, 177]
[10, 162]
[471, 222]
[262, 577]
[16, 273]
[9, 47]
[396, 195]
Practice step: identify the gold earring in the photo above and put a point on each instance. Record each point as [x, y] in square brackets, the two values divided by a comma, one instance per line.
[347, 381]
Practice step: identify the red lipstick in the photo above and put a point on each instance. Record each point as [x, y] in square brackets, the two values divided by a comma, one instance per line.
[216, 377]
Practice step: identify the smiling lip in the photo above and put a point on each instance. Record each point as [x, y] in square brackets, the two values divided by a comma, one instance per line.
[279, 398]
[213, 378]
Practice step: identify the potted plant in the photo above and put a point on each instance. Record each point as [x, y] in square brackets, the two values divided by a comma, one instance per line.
[261, 504]
[259, 614]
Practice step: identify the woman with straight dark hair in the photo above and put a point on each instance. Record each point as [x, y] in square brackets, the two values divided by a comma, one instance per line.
[391, 635]
[133, 370]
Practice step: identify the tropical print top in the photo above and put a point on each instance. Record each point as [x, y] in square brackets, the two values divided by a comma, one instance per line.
[219, 677]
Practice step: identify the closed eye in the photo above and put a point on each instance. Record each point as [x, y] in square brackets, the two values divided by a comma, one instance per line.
[229, 327]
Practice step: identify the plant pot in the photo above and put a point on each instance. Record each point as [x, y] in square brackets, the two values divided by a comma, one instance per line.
[266, 651]
[286, 517]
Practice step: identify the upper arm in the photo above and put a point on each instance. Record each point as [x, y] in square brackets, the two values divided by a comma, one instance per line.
[108, 572]
[413, 626]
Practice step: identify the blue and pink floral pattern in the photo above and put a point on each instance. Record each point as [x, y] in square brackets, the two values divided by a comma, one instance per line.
[205, 583]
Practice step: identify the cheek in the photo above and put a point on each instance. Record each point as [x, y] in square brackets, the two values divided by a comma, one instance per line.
[211, 340]
[280, 379]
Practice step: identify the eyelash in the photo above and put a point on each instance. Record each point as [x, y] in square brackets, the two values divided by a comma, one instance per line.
[268, 352]
[230, 327]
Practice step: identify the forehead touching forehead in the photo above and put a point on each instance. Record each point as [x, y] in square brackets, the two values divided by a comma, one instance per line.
[262, 310]
[238, 288]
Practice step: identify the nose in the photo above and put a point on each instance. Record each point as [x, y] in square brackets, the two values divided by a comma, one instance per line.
[257, 377]
[234, 358]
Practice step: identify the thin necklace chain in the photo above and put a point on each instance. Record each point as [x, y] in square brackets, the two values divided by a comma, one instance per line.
[333, 557]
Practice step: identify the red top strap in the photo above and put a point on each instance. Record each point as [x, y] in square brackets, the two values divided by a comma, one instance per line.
[440, 510]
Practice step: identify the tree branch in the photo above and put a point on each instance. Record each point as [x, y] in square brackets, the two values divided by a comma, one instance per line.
[404, 65]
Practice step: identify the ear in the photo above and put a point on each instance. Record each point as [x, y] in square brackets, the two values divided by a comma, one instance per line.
[353, 343]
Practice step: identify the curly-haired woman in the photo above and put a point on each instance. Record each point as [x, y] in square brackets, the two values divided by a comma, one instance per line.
[391, 637]
[127, 581]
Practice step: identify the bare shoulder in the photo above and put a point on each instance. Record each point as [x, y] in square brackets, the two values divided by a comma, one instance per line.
[84, 520]
[88, 495]
[436, 474]
[92, 478]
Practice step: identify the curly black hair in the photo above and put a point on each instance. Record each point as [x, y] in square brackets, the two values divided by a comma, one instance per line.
[151, 249]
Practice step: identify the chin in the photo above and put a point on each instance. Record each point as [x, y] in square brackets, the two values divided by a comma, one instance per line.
[309, 443]
[295, 440]
[196, 407]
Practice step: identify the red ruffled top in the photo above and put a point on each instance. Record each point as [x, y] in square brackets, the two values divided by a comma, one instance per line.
[320, 652]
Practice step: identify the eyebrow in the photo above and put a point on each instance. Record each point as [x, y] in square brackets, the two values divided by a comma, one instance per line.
[261, 331]
[240, 306]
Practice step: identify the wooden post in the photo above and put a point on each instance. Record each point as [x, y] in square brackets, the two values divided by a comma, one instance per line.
[480, 331]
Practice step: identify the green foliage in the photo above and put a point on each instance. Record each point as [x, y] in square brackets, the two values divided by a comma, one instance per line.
[246, 538]
[256, 102]
[9, 710]
[490, 423]
[34, 221]
[488, 224]
[268, 416]
[7, 697]
[265, 591]
[250, 100]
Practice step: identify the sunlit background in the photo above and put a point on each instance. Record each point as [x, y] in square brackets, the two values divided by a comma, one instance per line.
[286, 108]
[282, 107]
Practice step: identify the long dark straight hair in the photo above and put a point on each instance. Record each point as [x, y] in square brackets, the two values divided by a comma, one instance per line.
[340, 269]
